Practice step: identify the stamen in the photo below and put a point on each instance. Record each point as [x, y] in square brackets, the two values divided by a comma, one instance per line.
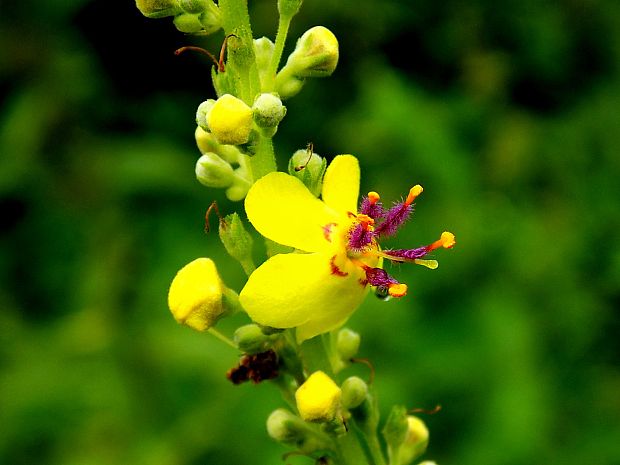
[366, 221]
[397, 289]
[373, 197]
[446, 241]
[413, 193]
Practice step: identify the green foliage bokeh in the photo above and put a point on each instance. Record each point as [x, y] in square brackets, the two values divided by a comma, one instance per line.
[506, 112]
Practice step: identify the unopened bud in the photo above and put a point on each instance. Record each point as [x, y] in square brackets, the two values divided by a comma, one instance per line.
[237, 241]
[212, 171]
[210, 18]
[395, 429]
[230, 120]
[309, 168]
[250, 339]
[193, 6]
[202, 112]
[263, 50]
[188, 23]
[318, 398]
[268, 110]
[315, 55]
[158, 8]
[288, 85]
[238, 190]
[195, 297]
[285, 427]
[415, 442]
[347, 344]
[354, 392]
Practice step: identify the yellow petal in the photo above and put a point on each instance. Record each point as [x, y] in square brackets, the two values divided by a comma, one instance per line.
[341, 184]
[290, 290]
[318, 398]
[282, 209]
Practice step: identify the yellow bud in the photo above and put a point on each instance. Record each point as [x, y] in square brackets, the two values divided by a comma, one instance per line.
[195, 295]
[318, 399]
[415, 442]
[316, 53]
[230, 120]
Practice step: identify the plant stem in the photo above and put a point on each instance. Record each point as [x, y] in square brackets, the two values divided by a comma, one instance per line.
[222, 338]
[283, 26]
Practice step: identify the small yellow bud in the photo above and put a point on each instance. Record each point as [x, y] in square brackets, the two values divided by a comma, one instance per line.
[212, 171]
[195, 295]
[415, 442]
[318, 399]
[207, 143]
[230, 120]
[316, 53]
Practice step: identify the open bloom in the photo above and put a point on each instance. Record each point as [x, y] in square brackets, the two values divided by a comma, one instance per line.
[318, 287]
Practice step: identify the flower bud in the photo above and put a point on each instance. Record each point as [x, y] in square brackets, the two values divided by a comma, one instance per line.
[318, 399]
[315, 55]
[210, 18]
[285, 427]
[230, 120]
[354, 392]
[188, 23]
[195, 295]
[158, 8]
[415, 442]
[288, 85]
[207, 143]
[309, 168]
[268, 110]
[396, 429]
[237, 241]
[263, 50]
[347, 344]
[238, 190]
[202, 112]
[193, 6]
[212, 171]
[250, 339]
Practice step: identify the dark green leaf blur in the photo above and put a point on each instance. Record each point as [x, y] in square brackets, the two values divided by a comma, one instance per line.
[506, 112]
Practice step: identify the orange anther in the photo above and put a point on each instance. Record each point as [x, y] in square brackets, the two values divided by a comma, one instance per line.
[373, 197]
[447, 239]
[366, 221]
[397, 290]
[413, 193]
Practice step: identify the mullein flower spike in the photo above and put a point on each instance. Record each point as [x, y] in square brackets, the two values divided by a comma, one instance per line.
[196, 295]
[318, 398]
[318, 290]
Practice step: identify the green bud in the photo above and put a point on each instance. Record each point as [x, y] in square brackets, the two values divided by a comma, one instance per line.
[268, 110]
[212, 171]
[347, 343]
[288, 85]
[354, 392]
[263, 50]
[237, 241]
[285, 427]
[415, 442]
[210, 18]
[315, 55]
[289, 8]
[202, 112]
[395, 431]
[207, 143]
[238, 190]
[188, 23]
[158, 8]
[251, 340]
[193, 6]
[309, 168]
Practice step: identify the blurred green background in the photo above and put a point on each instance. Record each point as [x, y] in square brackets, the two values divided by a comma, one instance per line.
[506, 112]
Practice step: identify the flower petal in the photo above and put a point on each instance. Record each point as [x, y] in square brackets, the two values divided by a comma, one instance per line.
[341, 184]
[282, 209]
[290, 290]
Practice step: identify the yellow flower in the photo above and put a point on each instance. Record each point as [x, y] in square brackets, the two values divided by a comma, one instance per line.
[319, 286]
[318, 399]
[315, 291]
[195, 295]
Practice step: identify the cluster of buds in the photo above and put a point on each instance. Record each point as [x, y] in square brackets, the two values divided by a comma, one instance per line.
[190, 16]
[227, 129]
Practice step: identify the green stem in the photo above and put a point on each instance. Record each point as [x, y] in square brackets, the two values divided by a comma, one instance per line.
[222, 338]
[264, 161]
[283, 26]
